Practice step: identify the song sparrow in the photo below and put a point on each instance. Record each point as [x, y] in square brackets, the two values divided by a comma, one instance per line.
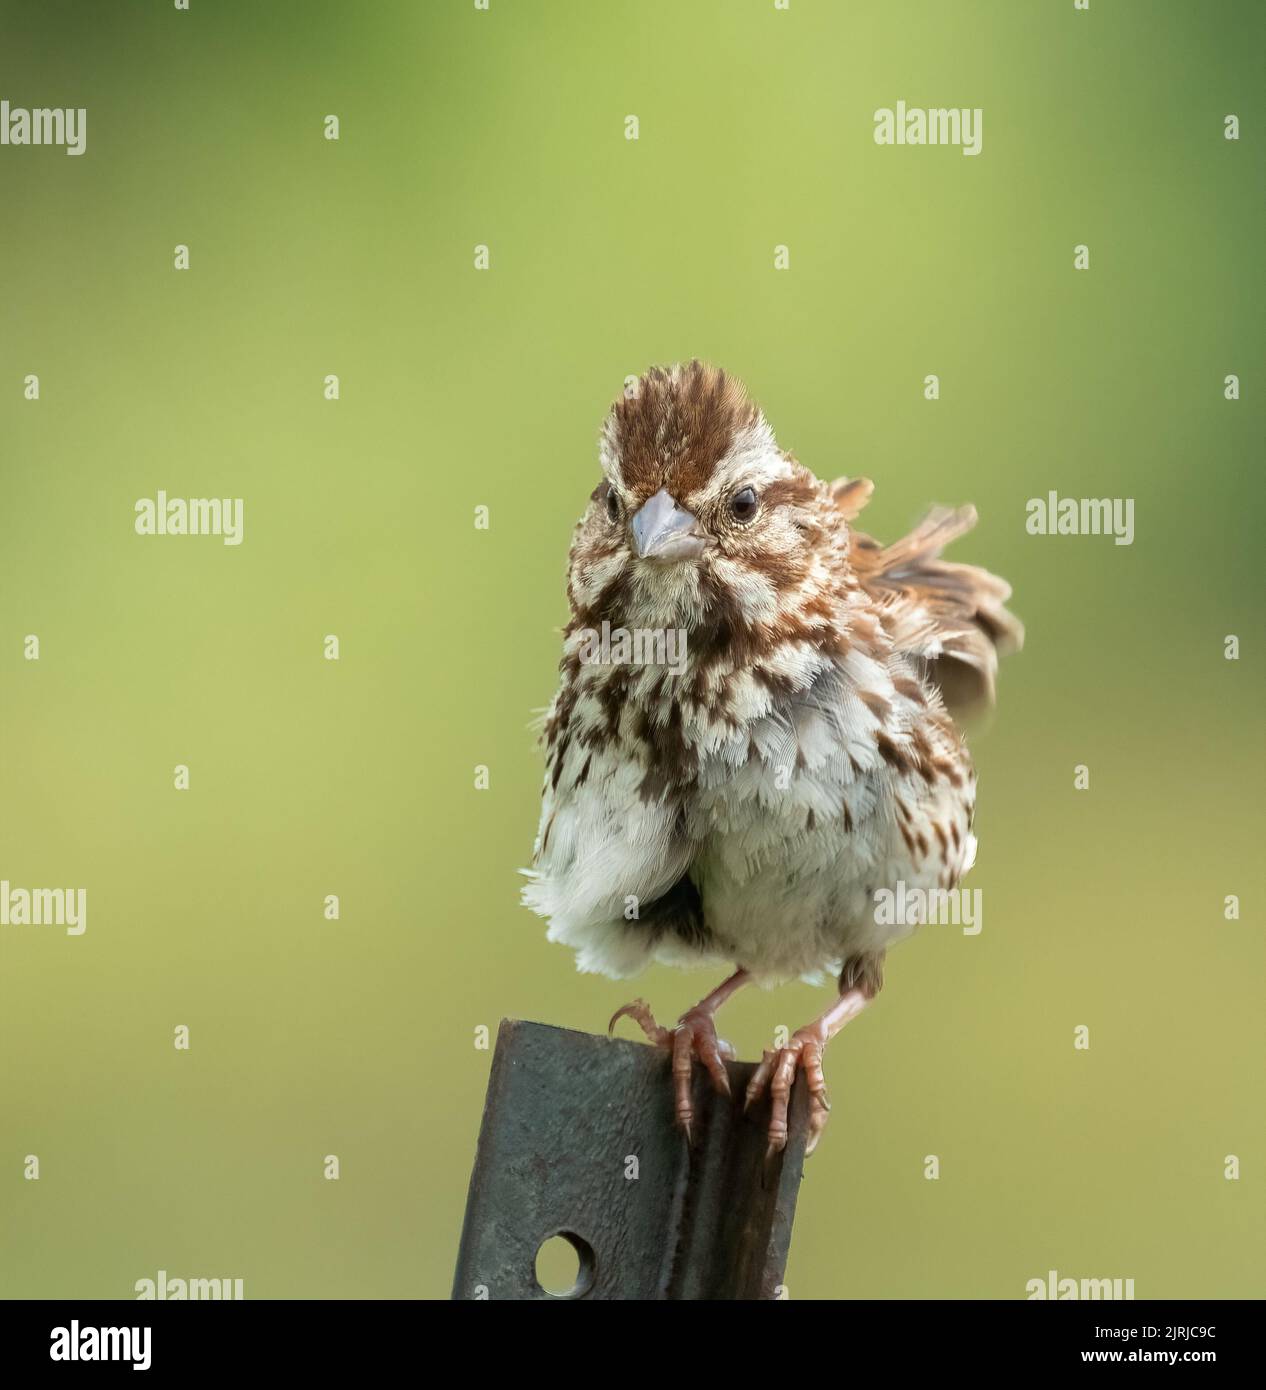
[746, 805]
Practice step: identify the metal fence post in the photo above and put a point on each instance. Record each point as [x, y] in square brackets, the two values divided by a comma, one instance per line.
[578, 1140]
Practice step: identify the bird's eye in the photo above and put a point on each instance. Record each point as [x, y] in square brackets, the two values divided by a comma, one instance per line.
[613, 506]
[743, 504]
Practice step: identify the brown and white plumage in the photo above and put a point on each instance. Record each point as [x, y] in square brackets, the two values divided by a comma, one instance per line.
[747, 809]
[953, 616]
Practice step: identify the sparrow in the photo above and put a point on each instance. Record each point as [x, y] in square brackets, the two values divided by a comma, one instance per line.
[743, 805]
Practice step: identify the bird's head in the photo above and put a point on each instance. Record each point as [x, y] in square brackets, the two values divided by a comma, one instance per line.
[699, 514]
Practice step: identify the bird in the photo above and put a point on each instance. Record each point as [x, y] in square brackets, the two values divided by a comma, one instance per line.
[743, 806]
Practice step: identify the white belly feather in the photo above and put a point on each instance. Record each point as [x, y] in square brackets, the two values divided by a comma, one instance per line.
[791, 827]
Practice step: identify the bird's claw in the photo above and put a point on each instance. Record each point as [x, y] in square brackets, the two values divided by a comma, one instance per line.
[694, 1036]
[776, 1073]
[640, 1012]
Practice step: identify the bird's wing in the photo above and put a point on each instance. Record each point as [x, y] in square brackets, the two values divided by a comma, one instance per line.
[953, 617]
[609, 861]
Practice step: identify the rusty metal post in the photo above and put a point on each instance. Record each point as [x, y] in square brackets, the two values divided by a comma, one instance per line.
[578, 1140]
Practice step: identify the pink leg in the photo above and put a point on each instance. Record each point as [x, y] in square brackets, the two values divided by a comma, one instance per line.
[694, 1036]
[777, 1069]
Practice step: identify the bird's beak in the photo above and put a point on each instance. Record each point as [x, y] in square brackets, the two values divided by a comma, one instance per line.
[664, 531]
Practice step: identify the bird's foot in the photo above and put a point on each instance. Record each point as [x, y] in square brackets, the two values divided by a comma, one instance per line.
[694, 1036]
[775, 1074]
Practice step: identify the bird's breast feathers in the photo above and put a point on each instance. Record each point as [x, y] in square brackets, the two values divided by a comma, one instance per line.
[785, 822]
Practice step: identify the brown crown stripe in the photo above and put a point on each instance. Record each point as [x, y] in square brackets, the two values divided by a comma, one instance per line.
[671, 432]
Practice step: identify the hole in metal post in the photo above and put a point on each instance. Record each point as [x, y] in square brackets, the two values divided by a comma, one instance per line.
[564, 1265]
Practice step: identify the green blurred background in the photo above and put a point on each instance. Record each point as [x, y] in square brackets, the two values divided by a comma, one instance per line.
[462, 388]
